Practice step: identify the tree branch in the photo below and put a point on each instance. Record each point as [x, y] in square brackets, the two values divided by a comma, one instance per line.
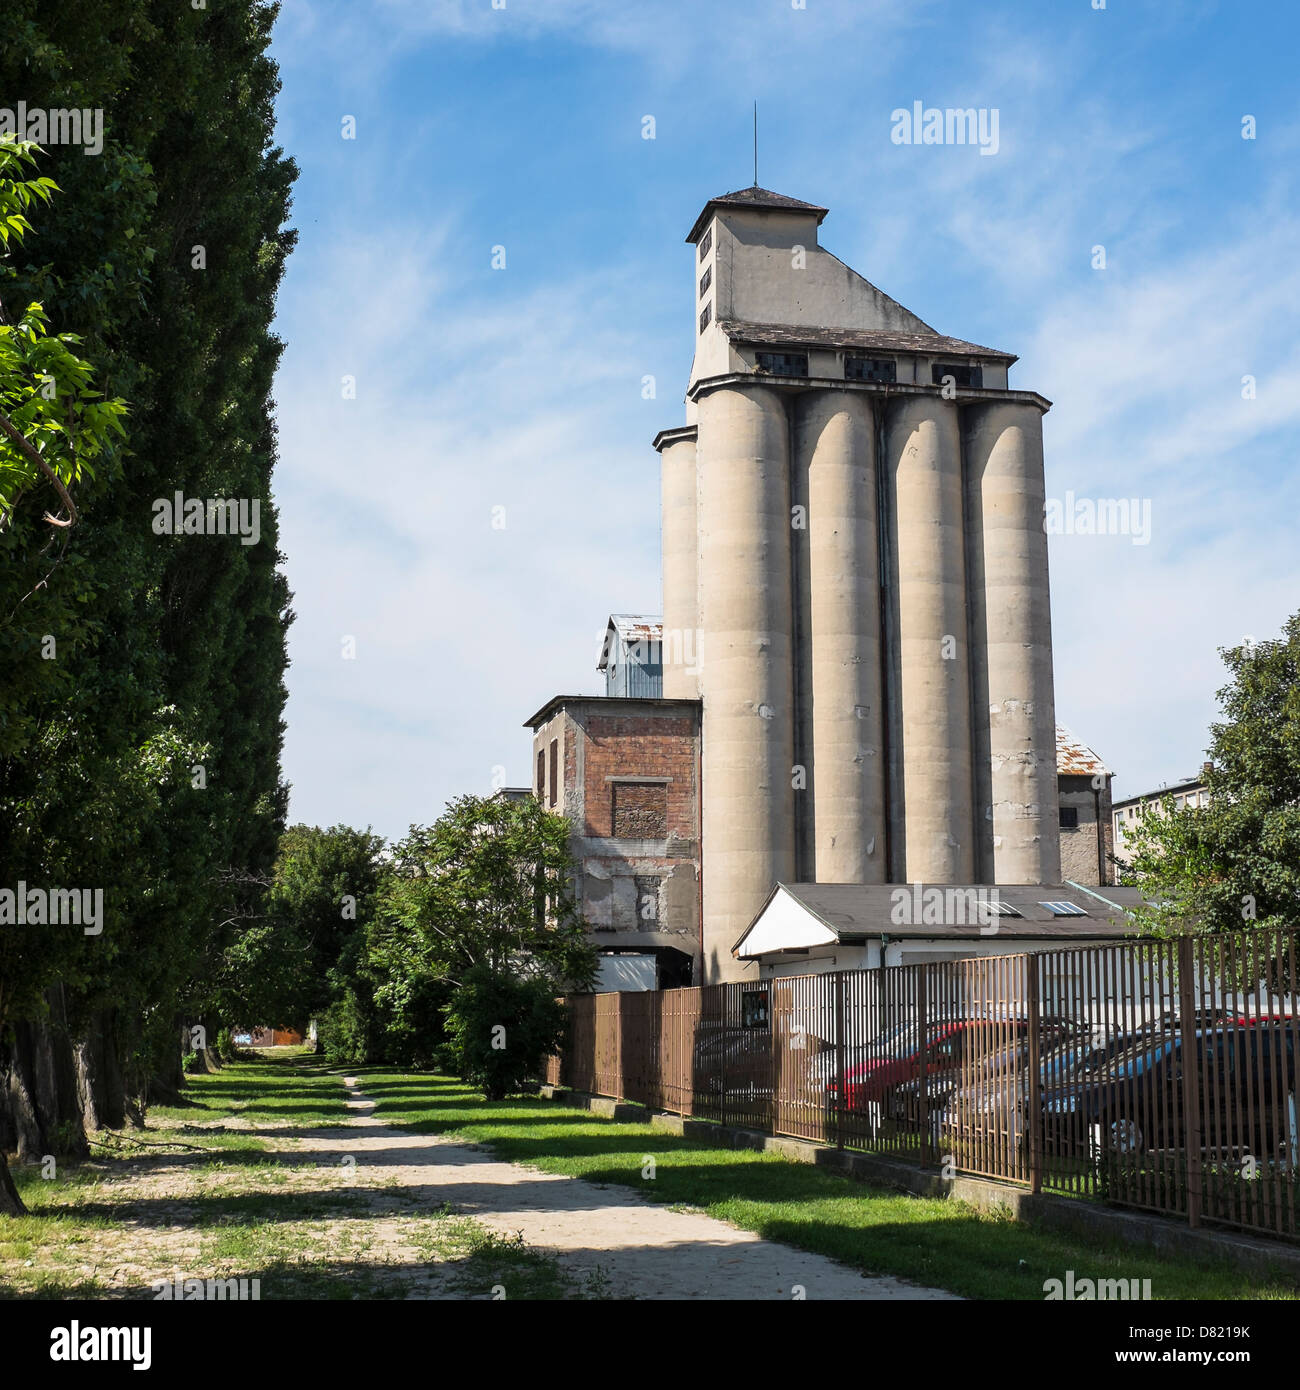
[20, 439]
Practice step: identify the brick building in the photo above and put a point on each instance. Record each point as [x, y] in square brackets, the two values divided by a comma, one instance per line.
[1083, 789]
[625, 771]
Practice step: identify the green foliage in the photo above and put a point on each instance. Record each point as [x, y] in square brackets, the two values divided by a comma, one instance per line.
[346, 1032]
[486, 887]
[277, 968]
[1235, 863]
[53, 422]
[170, 649]
[501, 1027]
[489, 883]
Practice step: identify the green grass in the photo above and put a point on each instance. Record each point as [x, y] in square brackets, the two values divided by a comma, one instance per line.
[299, 1091]
[936, 1242]
[257, 1214]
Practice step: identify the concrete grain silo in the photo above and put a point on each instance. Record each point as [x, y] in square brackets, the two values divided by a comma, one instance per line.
[855, 583]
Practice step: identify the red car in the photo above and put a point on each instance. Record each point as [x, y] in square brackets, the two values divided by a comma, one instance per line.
[895, 1059]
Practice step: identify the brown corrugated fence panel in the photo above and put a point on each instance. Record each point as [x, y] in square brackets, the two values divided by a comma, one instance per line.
[1154, 1074]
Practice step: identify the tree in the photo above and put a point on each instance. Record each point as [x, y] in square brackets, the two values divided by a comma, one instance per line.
[502, 1027]
[1234, 863]
[323, 893]
[488, 884]
[144, 757]
[481, 902]
[53, 422]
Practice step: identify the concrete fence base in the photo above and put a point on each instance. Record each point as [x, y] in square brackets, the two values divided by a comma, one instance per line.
[1263, 1259]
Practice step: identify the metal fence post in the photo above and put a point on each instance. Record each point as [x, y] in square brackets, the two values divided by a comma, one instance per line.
[1191, 1077]
[723, 1044]
[1034, 1098]
[922, 1040]
[839, 1059]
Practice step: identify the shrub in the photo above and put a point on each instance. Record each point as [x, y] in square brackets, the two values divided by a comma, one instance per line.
[501, 1028]
[343, 1033]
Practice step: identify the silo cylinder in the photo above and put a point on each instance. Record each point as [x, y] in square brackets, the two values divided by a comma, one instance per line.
[835, 450]
[746, 660]
[923, 459]
[680, 570]
[1004, 467]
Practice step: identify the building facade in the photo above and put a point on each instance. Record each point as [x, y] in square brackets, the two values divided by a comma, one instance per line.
[854, 582]
[1126, 814]
[1084, 800]
[625, 771]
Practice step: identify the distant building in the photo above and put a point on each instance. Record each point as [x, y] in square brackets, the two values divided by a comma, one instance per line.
[852, 684]
[272, 1037]
[625, 771]
[807, 928]
[632, 656]
[1083, 791]
[512, 793]
[1126, 814]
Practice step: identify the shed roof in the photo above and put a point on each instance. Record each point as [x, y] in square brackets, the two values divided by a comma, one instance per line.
[1074, 758]
[630, 628]
[852, 912]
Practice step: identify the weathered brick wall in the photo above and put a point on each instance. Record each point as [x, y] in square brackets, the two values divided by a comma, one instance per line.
[641, 746]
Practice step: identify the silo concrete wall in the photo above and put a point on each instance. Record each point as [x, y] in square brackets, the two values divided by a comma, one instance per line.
[923, 458]
[680, 570]
[1012, 612]
[835, 467]
[747, 661]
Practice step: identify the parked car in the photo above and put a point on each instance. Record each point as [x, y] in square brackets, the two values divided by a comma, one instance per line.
[884, 1070]
[996, 1098]
[1135, 1099]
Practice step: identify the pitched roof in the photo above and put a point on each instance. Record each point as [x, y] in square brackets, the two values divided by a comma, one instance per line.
[880, 339]
[754, 198]
[854, 911]
[630, 628]
[1076, 759]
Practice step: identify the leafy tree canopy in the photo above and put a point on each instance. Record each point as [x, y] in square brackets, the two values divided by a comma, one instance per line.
[1234, 863]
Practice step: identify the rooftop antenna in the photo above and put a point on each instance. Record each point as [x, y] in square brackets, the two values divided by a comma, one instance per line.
[756, 144]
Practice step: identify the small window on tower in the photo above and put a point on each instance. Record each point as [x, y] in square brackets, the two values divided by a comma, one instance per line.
[541, 774]
[555, 771]
[705, 316]
[705, 281]
[968, 375]
[706, 245]
[870, 369]
[783, 363]
[1069, 818]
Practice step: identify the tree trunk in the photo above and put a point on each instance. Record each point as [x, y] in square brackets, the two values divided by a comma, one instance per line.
[41, 1094]
[11, 1204]
[99, 1072]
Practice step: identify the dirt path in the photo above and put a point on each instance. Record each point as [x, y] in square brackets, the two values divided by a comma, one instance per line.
[637, 1249]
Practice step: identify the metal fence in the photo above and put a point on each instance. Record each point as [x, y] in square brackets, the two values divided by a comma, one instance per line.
[1155, 1074]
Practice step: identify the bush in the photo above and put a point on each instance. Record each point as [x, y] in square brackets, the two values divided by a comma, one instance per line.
[343, 1033]
[501, 1028]
[192, 1064]
[226, 1049]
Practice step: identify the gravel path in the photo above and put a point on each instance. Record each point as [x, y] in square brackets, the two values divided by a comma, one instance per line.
[643, 1250]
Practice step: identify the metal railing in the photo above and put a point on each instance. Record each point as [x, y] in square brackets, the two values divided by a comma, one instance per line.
[1154, 1074]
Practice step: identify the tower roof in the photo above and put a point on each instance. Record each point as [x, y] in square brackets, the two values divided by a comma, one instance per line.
[755, 197]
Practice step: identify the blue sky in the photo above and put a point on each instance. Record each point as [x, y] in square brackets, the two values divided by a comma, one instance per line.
[521, 388]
